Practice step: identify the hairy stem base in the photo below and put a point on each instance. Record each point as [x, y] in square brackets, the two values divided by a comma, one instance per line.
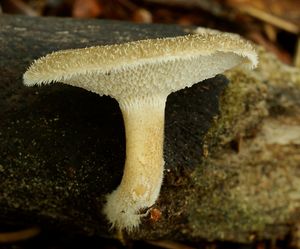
[143, 172]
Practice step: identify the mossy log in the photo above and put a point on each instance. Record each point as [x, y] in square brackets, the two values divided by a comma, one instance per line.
[232, 145]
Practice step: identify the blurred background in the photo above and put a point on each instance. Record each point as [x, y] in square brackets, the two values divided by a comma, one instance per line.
[273, 24]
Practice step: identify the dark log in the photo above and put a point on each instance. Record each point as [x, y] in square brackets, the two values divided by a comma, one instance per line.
[62, 148]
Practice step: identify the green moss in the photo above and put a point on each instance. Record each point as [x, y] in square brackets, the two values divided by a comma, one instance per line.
[242, 106]
[240, 195]
[222, 216]
[236, 196]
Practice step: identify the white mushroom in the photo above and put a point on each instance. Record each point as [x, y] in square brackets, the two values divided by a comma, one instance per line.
[140, 75]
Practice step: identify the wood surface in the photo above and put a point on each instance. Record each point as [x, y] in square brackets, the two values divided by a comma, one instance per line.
[62, 148]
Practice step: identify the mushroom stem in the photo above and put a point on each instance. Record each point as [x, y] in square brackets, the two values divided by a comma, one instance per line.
[144, 165]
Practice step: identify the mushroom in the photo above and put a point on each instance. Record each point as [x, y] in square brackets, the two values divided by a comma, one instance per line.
[140, 75]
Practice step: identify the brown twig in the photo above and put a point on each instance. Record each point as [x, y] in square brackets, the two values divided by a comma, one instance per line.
[10, 237]
[269, 18]
[24, 8]
[169, 244]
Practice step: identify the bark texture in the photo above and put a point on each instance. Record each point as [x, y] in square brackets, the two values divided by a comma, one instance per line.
[232, 151]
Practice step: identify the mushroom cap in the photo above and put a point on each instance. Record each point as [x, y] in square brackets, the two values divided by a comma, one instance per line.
[144, 68]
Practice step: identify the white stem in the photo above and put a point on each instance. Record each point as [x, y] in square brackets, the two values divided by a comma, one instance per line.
[143, 172]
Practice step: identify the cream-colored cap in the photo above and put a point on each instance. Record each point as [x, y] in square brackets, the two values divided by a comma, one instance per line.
[144, 68]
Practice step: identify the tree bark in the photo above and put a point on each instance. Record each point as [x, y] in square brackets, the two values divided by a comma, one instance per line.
[232, 151]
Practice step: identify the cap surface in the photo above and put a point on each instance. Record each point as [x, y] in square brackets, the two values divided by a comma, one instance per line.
[146, 67]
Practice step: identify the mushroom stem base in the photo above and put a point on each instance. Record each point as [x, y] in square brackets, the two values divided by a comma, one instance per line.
[143, 172]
